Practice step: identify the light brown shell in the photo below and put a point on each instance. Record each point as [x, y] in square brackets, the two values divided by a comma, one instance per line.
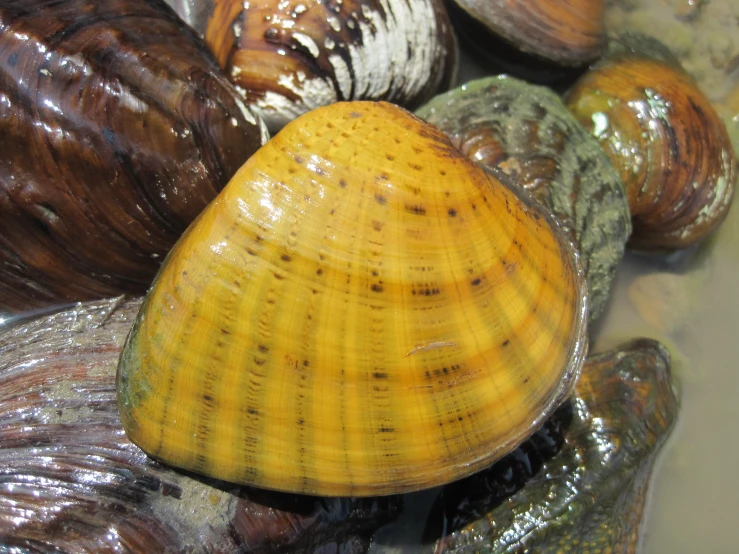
[363, 311]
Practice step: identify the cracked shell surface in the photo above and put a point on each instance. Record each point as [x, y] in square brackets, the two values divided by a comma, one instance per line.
[361, 311]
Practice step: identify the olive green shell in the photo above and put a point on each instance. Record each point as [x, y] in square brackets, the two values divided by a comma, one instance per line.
[525, 131]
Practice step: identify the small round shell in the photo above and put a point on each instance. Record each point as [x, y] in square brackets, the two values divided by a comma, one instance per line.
[362, 311]
[527, 132]
[667, 142]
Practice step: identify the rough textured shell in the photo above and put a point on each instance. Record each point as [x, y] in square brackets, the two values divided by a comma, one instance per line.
[117, 129]
[667, 142]
[363, 310]
[292, 56]
[569, 32]
[527, 132]
[72, 481]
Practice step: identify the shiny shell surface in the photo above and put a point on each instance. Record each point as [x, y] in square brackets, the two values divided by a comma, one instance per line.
[667, 142]
[569, 32]
[71, 481]
[527, 132]
[116, 129]
[362, 311]
[583, 481]
[292, 56]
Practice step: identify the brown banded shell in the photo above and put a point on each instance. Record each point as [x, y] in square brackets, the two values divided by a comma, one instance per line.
[117, 129]
[292, 56]
[527, 132]
[667, 142]
[568, 32]
[361, 311]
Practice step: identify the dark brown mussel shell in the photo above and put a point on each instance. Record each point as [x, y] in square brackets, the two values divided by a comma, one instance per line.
[664, 137]
[580, 483]
[117, 129]
[291, 56]
[525, 131]
[70, 480]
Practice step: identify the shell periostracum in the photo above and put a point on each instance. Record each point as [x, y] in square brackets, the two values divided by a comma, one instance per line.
[666, 140]
[117, 128]
[568, 32]
[526, 131]
[292, 56]
[361, 311]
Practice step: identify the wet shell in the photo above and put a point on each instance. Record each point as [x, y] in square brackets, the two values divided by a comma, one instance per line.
[527, 132]
[568, 32]
[293, 56]
[117, 129]
[362, 311]
[667, 142]
[586, 494]
[70, 480]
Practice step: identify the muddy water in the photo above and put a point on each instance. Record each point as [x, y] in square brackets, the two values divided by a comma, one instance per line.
[695, 492]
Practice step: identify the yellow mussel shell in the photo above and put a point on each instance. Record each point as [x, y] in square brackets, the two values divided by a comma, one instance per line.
[361, 311]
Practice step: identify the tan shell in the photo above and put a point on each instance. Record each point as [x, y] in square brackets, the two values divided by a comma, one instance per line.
[362, 311]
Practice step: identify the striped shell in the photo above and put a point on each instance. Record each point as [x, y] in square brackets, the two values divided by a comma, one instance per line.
[290, 56]
[362, 311]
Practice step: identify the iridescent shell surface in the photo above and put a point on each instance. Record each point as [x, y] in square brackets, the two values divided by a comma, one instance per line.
[569, 32]
[527, 132]
[666, 140]
[292, 56]
[361, 311]
[117, 128]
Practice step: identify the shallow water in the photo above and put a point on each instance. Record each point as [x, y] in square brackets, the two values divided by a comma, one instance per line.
[695, 491]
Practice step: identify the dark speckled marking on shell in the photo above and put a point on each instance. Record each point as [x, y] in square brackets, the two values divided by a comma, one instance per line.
[72, 482]
[525, 131]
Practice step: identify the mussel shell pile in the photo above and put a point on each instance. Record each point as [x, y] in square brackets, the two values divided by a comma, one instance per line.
[370, 303]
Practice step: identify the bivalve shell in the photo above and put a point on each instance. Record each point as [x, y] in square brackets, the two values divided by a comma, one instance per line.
[568, 32]
[666, 140]
[292, 56]
[117, 128]
[362, 311]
